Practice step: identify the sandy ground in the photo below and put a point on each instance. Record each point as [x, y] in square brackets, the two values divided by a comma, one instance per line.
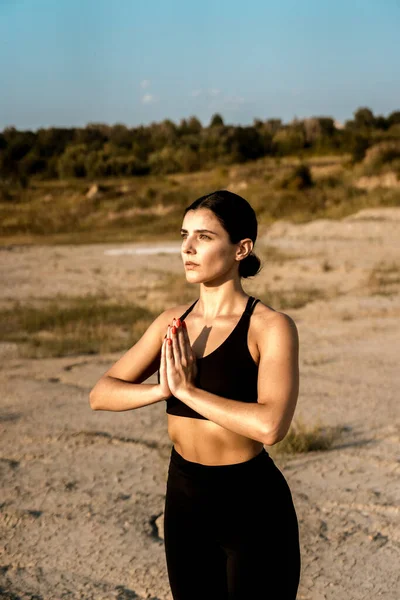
[83, 492]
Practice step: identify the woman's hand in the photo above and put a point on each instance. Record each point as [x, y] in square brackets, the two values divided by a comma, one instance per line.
[178, 368]
[163, 383]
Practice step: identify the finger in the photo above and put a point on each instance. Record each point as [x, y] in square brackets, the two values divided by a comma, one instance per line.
[187, 342]
[182, 342]
[163, 357]
[169, 349]
[175, 343]
[185, 335]
[168, 344]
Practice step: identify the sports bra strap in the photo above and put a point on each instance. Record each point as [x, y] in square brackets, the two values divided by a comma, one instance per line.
[250, 306]
[187, 311]
[248, 310]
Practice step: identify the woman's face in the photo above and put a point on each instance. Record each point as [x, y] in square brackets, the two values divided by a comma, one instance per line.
[211, 250]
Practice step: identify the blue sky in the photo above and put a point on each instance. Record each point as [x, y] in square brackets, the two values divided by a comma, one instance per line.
[72, 62]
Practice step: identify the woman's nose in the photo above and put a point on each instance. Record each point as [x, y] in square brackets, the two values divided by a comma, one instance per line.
[187, 246]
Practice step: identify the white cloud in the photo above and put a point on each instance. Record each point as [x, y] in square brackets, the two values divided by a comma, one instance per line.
[234, 101]
[145, 84]
[230, 103]
[148, 99]
[210, 92]
[218, 101]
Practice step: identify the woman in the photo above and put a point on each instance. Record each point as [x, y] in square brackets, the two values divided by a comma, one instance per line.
[228, 370]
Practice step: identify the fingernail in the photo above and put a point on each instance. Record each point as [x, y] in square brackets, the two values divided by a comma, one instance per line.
[169, 341]
[178, 322]
[174, 329]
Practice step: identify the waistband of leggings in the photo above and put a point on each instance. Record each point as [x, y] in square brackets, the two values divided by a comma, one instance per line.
[198, 469]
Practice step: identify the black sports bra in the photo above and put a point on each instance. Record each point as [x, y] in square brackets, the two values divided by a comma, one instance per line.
[229, 371]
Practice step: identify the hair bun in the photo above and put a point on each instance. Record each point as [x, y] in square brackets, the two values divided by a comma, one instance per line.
[249, 266]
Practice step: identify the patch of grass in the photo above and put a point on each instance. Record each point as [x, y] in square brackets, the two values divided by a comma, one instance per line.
[321, 360]
[177, 289]
[294, 298]
[297, 178]
[307, 438]
[384, 279]
[273, 254]
[71, 326]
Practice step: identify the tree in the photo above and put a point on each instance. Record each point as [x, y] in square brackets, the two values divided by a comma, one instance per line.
[394, 118]
[216, 121]
[319, 132]
[289, 140]
[16, 145]
[243, 144]
[364, 117]
[380, 122]
[72, 162]
[93, 136]
[273, 125]
[162, 134]
[194, 126]
[358, 146]
[121, 136]
[164, 161]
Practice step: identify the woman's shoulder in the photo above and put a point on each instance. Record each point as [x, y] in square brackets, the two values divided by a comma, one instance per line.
[177, 311]
[166, 316]
[270, 318]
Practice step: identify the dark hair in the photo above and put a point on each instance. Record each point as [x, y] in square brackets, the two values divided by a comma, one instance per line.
[238, 219]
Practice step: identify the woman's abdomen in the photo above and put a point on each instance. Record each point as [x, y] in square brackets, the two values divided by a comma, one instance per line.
[207, 442]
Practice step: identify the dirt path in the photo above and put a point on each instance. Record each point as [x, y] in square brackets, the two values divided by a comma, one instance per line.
[83, 491]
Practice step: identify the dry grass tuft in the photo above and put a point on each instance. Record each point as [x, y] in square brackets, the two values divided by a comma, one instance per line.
[296, 297]
[384, 279]
[71, 326]
[176, 288]
[272, 254]
[307, 438]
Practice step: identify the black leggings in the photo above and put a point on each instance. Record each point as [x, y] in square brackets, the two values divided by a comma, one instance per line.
[230, 531]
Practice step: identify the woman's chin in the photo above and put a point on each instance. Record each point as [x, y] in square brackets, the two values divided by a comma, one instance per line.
[192, 277]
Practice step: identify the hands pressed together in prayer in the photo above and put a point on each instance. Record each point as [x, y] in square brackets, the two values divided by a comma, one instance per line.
[178, 367]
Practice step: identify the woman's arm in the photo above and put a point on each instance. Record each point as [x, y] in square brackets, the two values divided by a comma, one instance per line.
[115, 394]
[269, 420]
[121, 387]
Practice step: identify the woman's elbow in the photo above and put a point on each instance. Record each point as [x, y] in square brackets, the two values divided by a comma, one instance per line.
[274, 435]
[270, 439]
[92, 402]
[93, 399]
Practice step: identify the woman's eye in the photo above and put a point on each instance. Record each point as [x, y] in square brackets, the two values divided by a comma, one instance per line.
[202, 235]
